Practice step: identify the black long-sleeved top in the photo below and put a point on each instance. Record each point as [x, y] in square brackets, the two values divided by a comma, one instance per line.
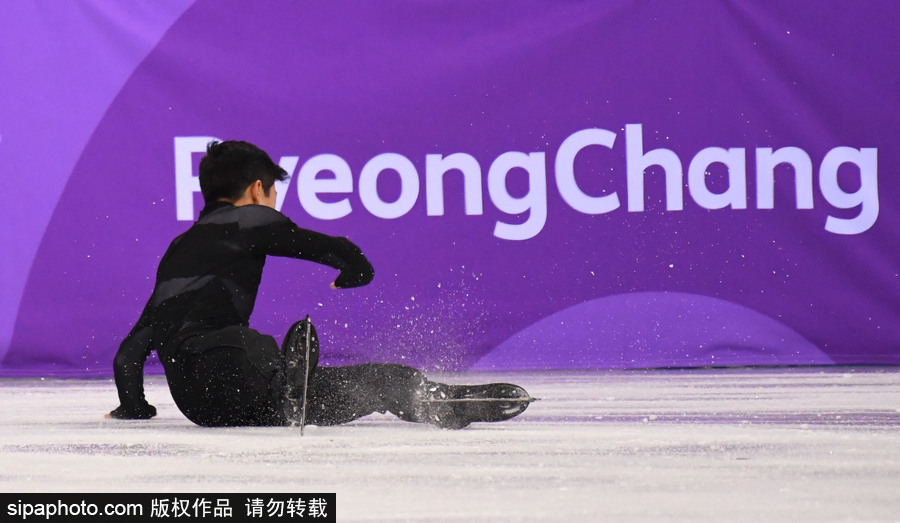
[210, 275]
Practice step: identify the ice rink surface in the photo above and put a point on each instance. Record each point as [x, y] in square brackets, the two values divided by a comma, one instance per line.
[794, 445]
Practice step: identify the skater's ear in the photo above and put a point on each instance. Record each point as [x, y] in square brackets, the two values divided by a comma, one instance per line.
[255, 194]
[255, 191]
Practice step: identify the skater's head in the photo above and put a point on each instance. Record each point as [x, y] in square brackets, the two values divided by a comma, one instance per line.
[238, 172]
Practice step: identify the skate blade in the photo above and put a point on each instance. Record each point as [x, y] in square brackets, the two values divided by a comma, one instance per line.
[480, 400]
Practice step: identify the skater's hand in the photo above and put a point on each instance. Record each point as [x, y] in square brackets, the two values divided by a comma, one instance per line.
[139, 411]
[354, 277]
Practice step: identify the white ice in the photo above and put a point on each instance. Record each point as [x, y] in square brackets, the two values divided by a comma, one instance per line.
[771, 445]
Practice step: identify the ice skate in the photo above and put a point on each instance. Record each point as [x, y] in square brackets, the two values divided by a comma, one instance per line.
[300, 351]
[457, 406]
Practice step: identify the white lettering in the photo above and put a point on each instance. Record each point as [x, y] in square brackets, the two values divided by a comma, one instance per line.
[866, 197]
[736, 194]
[409, 185]
[186, 184]
[766, 161]
[316, 191]
[435, 168]
[309, 186]
[534, 201]
[636, 162]
[565, 172]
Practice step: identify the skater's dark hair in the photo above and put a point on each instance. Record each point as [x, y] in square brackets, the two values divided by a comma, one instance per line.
[230, 167]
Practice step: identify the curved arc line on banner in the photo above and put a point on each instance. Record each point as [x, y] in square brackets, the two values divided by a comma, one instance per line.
[654, 330]
[7, 336]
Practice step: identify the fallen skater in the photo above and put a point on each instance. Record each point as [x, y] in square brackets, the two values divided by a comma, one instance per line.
[223, 373]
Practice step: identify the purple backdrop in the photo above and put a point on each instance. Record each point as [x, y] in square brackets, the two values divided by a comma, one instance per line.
[539, 185]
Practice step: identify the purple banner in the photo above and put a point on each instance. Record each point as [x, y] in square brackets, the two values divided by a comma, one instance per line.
[539, 185]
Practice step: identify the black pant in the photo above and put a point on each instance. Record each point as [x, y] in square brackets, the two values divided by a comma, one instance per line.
[218, 386]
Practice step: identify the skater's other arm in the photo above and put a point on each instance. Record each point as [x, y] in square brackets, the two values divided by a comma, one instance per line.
[128, 368]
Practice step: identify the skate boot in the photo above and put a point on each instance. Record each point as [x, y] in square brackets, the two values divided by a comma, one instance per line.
[457, 406]
[300, 352]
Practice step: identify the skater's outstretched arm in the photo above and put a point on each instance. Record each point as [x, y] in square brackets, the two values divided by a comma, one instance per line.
[281, 237]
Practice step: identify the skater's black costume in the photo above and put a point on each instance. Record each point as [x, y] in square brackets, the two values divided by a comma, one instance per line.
[223, 373]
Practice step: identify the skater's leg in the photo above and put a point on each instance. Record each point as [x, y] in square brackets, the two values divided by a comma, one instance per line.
[228, 377]
[342, 394]
[225, 389]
